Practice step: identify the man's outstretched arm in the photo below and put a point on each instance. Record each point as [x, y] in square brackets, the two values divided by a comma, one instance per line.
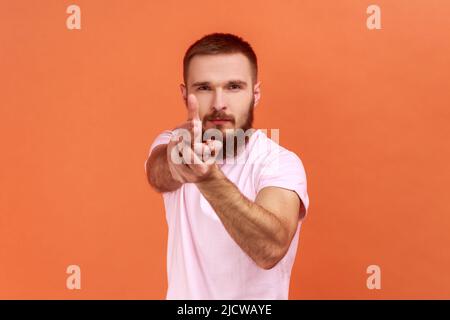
[158, 172]
[264, 228]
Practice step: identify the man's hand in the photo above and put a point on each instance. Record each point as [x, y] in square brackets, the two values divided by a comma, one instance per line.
[189, 158]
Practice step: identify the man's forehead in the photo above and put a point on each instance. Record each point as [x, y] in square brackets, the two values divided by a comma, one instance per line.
[219, 68]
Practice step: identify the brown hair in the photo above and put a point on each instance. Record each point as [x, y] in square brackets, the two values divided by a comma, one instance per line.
[217, 43]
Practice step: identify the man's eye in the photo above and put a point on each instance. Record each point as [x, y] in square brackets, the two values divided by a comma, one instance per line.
[203, 88]
[234, 87]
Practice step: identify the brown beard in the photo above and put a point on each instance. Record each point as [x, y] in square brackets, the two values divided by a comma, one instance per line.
[248, 124]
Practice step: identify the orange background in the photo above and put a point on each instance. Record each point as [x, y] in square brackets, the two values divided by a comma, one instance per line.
[367, 111]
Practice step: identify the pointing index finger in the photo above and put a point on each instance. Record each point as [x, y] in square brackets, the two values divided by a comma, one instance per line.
[192, 106]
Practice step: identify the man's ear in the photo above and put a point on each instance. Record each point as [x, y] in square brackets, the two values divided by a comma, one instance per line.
[183, 92]
[257, 93]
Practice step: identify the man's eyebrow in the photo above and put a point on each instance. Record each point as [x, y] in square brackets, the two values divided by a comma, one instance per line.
[239, 82]
[207, 83]
[199, 84]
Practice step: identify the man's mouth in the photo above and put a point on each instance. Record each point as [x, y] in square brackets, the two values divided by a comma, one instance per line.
[219, 121]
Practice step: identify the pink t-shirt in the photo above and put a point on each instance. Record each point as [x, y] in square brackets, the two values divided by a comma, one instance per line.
[203, 261]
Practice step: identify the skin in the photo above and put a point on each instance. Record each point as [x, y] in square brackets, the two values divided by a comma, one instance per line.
[223, 85]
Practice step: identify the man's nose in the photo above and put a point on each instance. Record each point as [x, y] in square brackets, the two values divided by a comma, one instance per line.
[219, 101]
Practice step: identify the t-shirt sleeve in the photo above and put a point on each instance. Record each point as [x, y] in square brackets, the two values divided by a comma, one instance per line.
[286, 171]
[162, 138]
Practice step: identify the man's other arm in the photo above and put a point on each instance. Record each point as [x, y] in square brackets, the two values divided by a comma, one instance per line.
[158, 172]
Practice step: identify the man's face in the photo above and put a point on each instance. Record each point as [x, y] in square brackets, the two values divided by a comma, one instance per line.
[224, 89]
